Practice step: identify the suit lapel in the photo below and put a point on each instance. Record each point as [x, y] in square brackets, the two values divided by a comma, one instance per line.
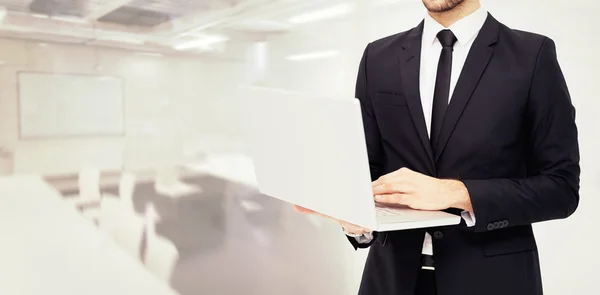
[410, 60]
[479, 56]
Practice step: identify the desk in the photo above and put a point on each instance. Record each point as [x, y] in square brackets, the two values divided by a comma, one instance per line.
[49, 248]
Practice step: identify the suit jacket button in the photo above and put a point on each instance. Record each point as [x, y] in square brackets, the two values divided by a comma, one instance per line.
[490, 226]
[438, 235]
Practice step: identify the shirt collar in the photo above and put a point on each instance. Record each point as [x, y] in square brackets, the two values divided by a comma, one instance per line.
[465, 29]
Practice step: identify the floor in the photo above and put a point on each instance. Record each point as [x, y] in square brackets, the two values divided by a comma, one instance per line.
[233, 240]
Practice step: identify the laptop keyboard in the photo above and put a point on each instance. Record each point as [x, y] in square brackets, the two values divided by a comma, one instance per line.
[383, 211]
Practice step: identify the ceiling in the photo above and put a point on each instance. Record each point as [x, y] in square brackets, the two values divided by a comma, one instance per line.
[166, 26]
[102, 8]
[149, 25]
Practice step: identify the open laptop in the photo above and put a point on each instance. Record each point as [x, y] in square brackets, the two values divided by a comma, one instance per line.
[311, 151]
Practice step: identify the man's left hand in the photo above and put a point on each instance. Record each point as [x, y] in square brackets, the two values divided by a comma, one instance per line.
[422, 192]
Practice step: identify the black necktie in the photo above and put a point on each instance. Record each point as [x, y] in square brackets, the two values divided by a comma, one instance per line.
[441, 93]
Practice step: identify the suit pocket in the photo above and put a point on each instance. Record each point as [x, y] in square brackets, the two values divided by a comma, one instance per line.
[390, 99]
[508, 241]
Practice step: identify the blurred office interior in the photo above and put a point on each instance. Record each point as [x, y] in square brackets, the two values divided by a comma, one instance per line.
[123, 167]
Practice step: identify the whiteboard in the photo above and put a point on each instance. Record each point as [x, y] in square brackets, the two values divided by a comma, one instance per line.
[57, 105]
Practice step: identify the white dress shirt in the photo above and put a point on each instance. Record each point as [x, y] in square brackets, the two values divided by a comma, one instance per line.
[466, 31]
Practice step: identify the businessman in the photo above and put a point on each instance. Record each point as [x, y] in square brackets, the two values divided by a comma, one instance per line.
[466, 115]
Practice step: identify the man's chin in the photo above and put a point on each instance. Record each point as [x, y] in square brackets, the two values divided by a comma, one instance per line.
[441, 7]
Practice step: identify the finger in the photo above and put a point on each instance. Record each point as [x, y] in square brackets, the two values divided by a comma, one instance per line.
[385, 188]
[400, 199]
[402, 187]
[386, 179]
[392, 177]
[379, 180]
[303, 210]
[309, 211]
[355, 229]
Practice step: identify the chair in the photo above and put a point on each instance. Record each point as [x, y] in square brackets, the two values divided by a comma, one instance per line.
[161, 254]
[167, 183]
[129, 234]
[89, 188]
[111, 210]
[123, 225]
[127, 183]
[126, 190]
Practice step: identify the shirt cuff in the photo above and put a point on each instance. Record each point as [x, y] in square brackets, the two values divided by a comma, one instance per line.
[365, 238]
[469, 218]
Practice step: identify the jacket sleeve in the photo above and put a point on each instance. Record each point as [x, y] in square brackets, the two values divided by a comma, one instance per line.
[551, 188]
[365, 242]
[371, 129]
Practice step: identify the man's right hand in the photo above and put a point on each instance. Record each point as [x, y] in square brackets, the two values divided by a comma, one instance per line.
[348, 227]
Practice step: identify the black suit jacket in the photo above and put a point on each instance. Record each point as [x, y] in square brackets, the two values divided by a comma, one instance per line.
[509, 134]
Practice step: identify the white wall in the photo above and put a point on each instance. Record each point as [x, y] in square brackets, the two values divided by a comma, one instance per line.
[567, 247]
[168, 101]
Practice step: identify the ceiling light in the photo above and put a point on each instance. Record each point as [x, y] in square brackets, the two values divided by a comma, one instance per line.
[313, 55]
[42, 44]
[121, 39]
[203, 42]
[40, 15]
[70, 19]
[327, 13]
